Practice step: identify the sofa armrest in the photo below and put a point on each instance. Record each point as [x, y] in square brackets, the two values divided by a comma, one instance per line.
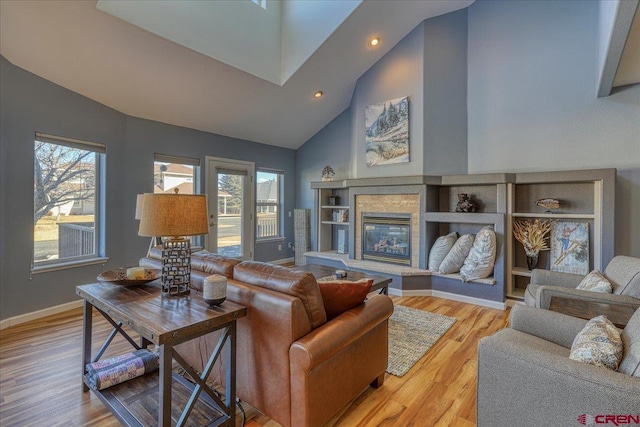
[332, 337]
[333, 363]
[548, 325]
[546, 292]
[527, 381]
[555, 278]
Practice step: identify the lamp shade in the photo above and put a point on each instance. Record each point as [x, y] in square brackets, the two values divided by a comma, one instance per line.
[139, 199]
[173, 215]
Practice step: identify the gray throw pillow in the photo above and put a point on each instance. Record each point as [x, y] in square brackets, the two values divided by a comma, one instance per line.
[595, 282]
[598, 343]
[440, 249]
[482, 256]
[630, 363]
[456, 256]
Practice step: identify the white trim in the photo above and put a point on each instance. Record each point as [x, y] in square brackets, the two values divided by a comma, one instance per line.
[212, 164]
[282, 261]
[27, 317]
[63, 265]
[471, 300]
[447, 295]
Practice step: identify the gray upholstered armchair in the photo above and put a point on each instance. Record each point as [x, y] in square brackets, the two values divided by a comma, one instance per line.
[525, 376]
[623, 272]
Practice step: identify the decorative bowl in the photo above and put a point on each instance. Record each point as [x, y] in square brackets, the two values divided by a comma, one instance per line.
[118, 276]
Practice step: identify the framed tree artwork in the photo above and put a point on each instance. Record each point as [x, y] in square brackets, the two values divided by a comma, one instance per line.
[570, 247]
[387, 132]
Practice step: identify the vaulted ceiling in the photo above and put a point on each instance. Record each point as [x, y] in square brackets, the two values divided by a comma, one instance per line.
[78, 46]
[232, 68]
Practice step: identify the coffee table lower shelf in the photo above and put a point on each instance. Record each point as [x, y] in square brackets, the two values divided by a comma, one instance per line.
[135, 402]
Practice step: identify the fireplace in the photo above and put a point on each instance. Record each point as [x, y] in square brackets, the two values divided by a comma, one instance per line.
[386, 238]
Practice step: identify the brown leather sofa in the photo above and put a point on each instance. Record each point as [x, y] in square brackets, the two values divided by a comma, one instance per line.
[292, 364]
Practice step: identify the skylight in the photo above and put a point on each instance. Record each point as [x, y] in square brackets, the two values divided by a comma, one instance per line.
[261, 3]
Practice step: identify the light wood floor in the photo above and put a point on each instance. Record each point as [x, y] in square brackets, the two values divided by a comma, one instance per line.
[40, 375]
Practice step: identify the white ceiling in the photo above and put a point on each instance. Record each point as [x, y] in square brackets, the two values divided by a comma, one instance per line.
[79, 47]
[133, 70]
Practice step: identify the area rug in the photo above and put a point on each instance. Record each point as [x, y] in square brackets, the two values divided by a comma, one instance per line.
[411, 334]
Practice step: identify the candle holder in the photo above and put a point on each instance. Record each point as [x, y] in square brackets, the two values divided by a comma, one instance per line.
[214, 289]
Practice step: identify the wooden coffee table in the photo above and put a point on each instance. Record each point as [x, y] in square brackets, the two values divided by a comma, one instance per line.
[619, 315]
[319, 271]
[158, 398]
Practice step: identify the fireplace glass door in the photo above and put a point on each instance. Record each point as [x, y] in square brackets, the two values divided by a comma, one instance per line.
[387, 239]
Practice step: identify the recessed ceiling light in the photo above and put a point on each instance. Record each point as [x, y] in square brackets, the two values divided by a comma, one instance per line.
[374, 41]
[318, 94]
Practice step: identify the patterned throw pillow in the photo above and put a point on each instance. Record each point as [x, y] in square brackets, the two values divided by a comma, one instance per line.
[598, 344]
[595, 282]
[341, 295]
[456, 256]
[479, 263]
[440, 249]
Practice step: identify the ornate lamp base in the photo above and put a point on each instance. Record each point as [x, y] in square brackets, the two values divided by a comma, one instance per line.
[176, 267]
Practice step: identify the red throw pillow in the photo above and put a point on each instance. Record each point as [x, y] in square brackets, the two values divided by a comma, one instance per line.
[341, 295]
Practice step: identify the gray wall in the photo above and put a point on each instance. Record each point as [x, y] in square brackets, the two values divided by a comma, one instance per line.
[445, 94]
[29, 104]
[532, 80]
[330, 146]
[395, 75]
[429, 66]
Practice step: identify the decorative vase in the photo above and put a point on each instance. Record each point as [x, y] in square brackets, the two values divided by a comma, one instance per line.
[214, 289]
[532, 261]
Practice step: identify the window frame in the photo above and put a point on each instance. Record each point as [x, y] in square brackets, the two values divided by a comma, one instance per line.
[278, 205]
[99, 244]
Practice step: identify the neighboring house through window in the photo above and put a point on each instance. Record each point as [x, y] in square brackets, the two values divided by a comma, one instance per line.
[67, 200]
[268, 191]
[171, 173]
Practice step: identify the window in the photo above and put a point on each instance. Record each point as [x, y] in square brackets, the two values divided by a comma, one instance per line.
[268, 204]
[67, 192]
[171, 173]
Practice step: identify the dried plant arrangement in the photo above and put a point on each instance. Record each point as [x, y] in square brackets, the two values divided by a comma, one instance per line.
[532, 234]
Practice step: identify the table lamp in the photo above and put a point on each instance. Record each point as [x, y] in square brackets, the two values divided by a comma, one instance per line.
[173, 217]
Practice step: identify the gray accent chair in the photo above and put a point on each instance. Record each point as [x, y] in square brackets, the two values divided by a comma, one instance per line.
[525, 376]
[623, 272]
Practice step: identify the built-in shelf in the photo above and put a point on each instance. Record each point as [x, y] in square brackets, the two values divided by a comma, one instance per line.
[517, 293]
[519, 271]
[584, 195]
[335, 222]
[461, 217]
[552, 215]
[334, 207]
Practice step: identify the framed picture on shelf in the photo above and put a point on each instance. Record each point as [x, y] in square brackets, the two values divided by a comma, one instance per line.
[570, 247]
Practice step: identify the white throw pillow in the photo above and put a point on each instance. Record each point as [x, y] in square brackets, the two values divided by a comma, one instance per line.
[440, 249]
[598, 343]
[482, 256]
[456, 256]
[595, 282]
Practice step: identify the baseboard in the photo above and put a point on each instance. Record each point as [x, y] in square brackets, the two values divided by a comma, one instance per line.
[471, 300]
[447, 295]
[27, 317]
[283, 261]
